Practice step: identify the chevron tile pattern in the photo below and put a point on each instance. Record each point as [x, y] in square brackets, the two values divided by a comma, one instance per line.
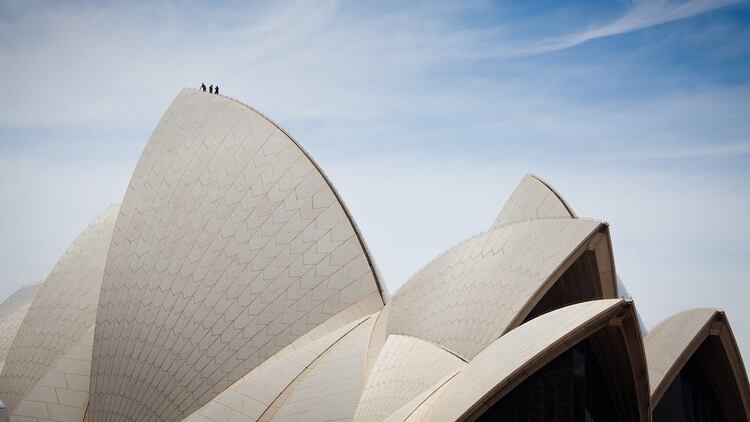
[233, 285]
[63, 393]
[532, 199]
[419, 406]
[330, 388]
[468, 296]
[63, 310]
[230, 245]
[668, 340]
[250, 397]
[399, 375]
[12, 311]
[508, 354]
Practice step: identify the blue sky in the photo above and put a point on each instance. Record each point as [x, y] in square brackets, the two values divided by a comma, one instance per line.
[425, 117]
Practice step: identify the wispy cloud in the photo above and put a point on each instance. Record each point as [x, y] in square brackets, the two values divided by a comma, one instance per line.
[676, 152]
[75, 63]
[640, 14]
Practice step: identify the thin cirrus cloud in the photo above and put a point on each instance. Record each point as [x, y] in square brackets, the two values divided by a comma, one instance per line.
[641, 14]
[98, 51]
[732, 149]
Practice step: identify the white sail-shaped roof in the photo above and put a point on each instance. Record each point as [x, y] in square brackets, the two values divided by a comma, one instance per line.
[675, 340]
[515, 356]
[233, 285]
[12, 311]
[406, 366]
[230, 245]
[62, 394]
[533, 199]
[63, 310]
[253, 396]
[470, 295]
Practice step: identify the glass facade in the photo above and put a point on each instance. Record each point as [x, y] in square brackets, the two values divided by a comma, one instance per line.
[692, 397]
[579, 283]
[571, 388]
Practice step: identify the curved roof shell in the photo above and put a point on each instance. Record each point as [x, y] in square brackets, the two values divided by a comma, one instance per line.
[62, 311]
[230, 245]
[675, 340]
[377, 338]
[422, 404]
[533, 199]
[252, 397]
[469, 296]
[330, 388]
[405, 367]
[12, 311]
[63, 392]
[233, 284]
[512, 358]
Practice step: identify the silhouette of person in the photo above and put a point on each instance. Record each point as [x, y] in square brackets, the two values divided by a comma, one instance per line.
[203, 87]
[211, 89]
[216, 90]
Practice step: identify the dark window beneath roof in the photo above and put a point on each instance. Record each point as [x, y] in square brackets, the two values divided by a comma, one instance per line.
[704, 390]
[590, 382]
[579, 283]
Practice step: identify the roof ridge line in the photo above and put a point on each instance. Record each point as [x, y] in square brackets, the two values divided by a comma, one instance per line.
[684, 311]
[430, 343]
[379, 282]
[487, 231]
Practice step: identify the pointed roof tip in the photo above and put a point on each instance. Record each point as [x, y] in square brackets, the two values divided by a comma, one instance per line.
[532, 199]
[554, 191]
[430, 290]
[697, 309]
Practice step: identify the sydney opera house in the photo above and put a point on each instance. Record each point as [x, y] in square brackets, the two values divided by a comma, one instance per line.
[233, 284]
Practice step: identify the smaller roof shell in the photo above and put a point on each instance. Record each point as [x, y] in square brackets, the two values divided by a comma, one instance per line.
[63, 392]
[405, 367]
[62, 311]
[514, 357]
[329, 389]
[12, 311]
[673, 342]
[419, 406]
[251, 397]
[487, 285]
[533, 199]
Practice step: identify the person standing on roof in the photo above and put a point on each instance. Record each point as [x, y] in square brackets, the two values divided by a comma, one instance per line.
[203, 87]
[211, 89]
[216, 90]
